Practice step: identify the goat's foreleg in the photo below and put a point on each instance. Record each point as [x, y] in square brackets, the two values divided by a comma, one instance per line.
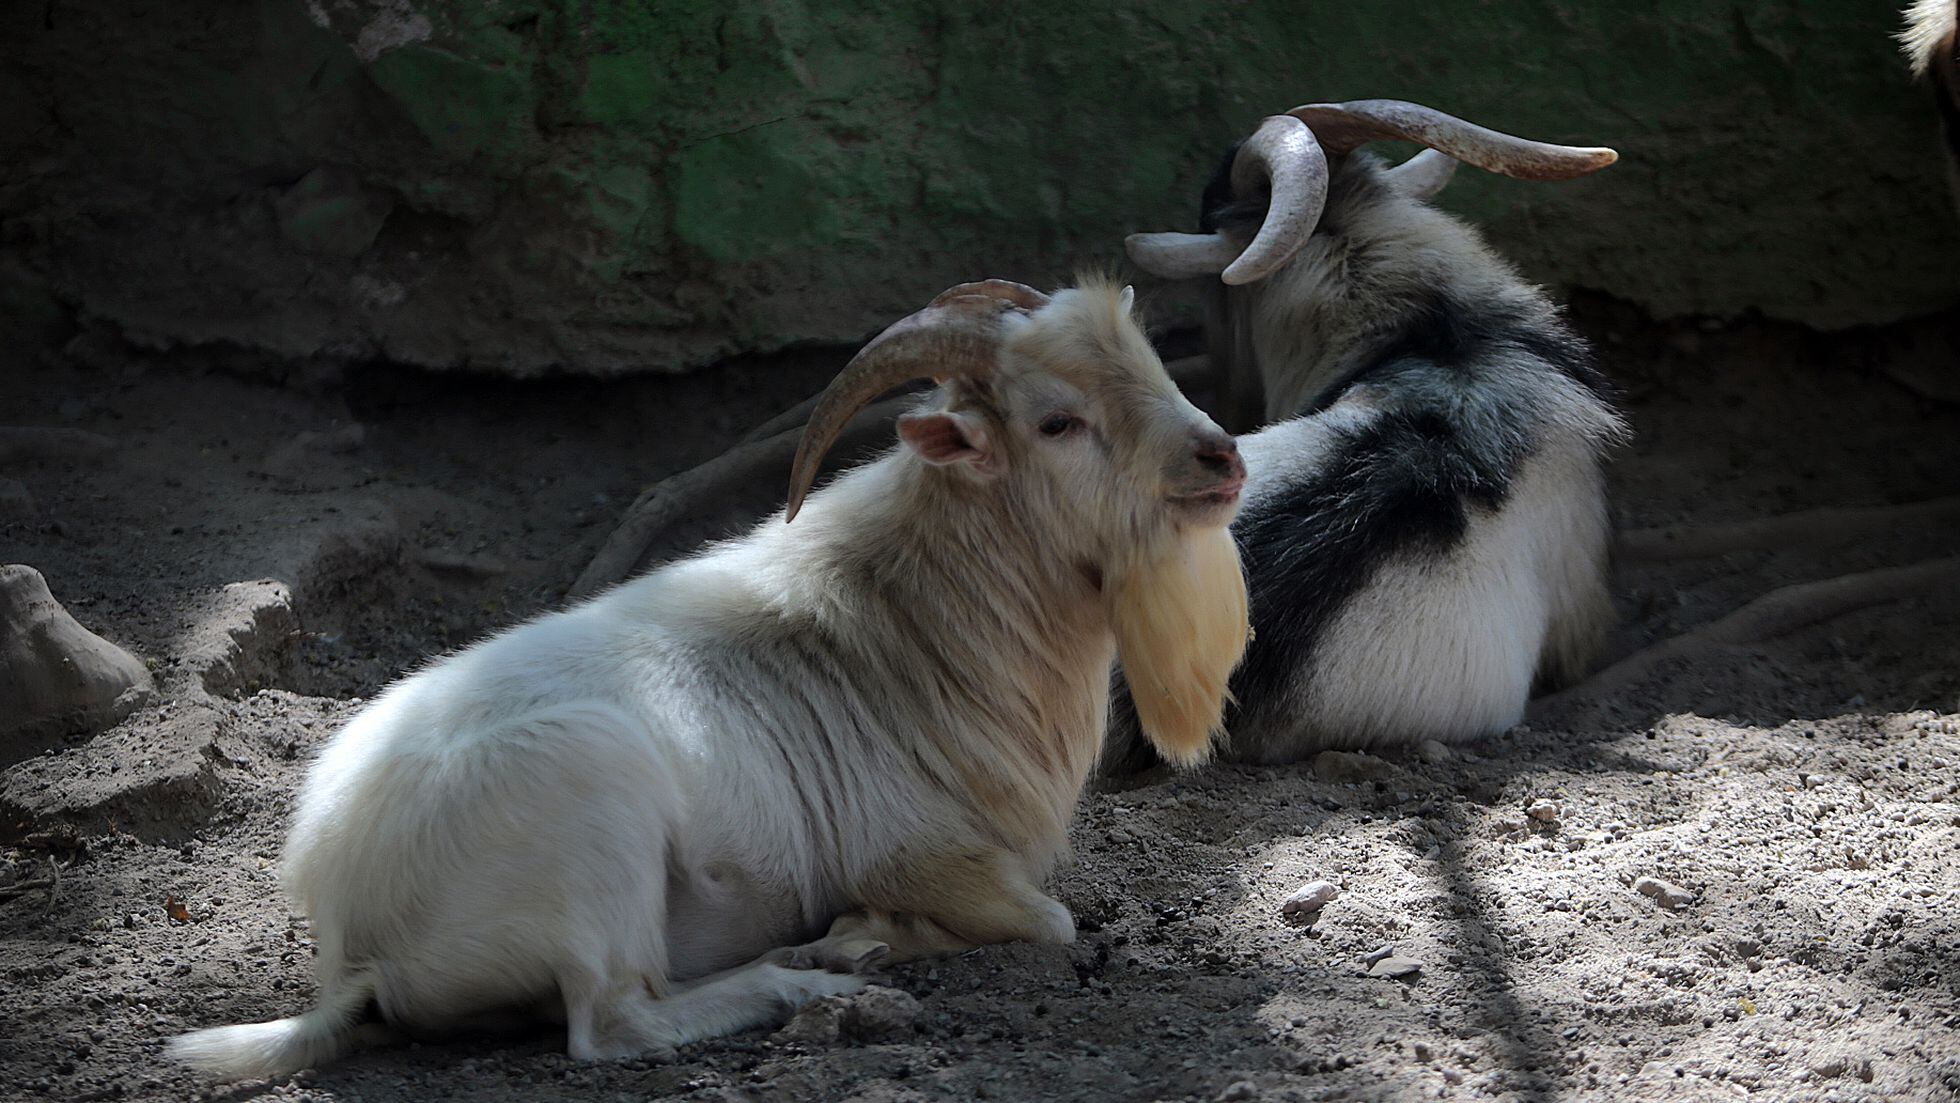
[928, 906]
[947, 901]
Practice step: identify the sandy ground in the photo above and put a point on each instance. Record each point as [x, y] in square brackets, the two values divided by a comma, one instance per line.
[1803, 793]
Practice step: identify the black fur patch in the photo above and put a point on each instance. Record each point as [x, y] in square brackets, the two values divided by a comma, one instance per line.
[1455, 337]
[1403, 484]
[1215, 207]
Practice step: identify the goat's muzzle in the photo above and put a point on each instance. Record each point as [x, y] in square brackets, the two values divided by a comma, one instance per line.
[1211, 495]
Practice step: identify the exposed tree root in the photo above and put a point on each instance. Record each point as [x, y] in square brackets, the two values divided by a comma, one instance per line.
[1815, 528]
[667, 503]
[1776, 613]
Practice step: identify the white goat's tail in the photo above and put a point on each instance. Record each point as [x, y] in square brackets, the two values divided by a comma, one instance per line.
[261, 1050]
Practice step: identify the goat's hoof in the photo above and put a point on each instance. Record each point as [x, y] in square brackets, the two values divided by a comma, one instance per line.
[857, 955]
[793, 957]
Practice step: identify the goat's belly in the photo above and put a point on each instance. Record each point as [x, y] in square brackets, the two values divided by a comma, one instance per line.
[721, 915]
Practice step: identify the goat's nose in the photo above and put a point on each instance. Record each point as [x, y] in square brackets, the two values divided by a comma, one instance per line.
[1217, 452]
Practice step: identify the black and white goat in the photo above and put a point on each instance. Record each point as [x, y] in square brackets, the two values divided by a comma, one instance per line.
[1425, 535]
[634, 815]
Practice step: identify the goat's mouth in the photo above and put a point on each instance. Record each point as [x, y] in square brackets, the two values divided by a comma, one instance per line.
[1213, 505]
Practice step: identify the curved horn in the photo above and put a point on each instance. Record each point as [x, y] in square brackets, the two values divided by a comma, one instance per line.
[1182, 256]
[1342, 127]
[956, 336]
[1424, 174]
[1284, 155]
[1016, 294]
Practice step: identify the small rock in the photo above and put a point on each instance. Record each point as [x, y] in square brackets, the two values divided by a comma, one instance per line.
[1393, 967]
[880, 1014]
[1665, 893]
[1422, 1052]
[820, 1021]
[1510, 824]
[1377, 954]
[1434, 753]
[1841, 1066]
[876, 1014]
[1304, 905]
[54, 673]
[1542, 810]
[1348, 767]
[244, 638]
[1243, 1089]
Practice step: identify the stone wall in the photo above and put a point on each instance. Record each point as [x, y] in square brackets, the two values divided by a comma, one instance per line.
[605, 186]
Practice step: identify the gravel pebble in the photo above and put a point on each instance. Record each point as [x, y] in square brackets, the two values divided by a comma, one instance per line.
[1304, 905]
[1665, 893]
[1393, 967]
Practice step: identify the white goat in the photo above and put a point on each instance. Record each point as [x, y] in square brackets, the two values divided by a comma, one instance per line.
[1426, 534]
[877, 721]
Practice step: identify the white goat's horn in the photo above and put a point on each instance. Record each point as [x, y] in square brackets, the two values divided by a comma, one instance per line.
[957, 335]
[1424, 174]
[1284, 156]
[1342, 127]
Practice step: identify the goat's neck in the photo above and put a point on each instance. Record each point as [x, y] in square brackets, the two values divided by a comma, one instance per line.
[1013, 632]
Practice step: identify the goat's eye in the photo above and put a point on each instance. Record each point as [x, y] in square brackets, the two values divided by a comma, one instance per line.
[1054, 425]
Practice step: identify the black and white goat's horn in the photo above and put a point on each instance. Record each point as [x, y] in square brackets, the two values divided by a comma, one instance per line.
[1282, 158]
[1423, 175]
[1295, 170]
[1175, 256]
[957, 335]
[1343, 127]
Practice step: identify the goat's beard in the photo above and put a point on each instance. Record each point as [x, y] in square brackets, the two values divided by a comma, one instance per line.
[1180, 621]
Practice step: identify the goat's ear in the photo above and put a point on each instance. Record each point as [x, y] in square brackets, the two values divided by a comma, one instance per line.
[944, 437]
[1129, 297]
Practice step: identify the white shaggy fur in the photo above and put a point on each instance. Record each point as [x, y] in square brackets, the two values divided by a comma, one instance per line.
[628, 815]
